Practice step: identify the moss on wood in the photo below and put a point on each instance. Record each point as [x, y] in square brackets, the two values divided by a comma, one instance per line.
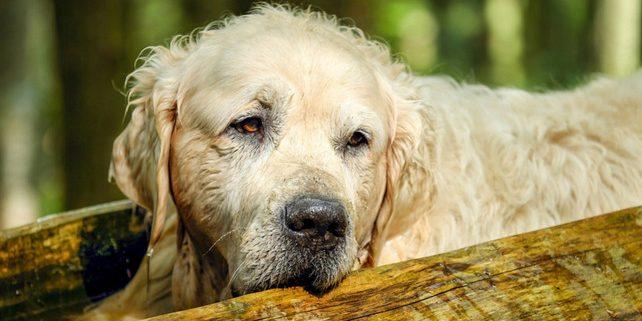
[63, 263]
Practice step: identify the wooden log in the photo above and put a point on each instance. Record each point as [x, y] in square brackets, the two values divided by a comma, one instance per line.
[589, 269]
[585, 270]
[59, 265]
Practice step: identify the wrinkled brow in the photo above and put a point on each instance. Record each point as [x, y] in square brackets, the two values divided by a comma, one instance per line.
[355, 116]
[212, 112]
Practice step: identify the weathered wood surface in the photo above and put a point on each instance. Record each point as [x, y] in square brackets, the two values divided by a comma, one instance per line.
[59, 265]
[585, 270]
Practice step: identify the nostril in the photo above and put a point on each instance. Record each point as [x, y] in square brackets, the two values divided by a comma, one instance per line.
[338, 229]
[295, 225]
[308, 224]
[300, 224]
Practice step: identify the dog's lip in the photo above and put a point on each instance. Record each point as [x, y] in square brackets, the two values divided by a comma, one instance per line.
[305, 279]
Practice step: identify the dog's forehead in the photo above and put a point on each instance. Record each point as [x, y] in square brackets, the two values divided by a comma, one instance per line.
[305, 59]
[317, 69]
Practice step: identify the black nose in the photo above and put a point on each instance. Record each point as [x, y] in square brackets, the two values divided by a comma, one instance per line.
[315, 222]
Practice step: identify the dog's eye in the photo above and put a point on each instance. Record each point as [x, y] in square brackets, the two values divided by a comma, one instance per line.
[249, 125]
[357, 139]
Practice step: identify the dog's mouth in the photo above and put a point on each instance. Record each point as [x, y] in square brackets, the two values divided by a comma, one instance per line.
[317, 274]
[309, 279]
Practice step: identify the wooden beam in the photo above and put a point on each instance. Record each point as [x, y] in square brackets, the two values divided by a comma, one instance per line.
[590, 269]
[585, 270]
[59, 265]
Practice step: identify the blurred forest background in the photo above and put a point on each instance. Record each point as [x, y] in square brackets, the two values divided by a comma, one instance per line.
[64, 63]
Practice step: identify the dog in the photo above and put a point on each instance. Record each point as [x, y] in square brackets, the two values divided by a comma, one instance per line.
[282, 148]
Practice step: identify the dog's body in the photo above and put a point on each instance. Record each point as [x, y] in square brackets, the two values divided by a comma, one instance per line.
[448, 166]
[507, 161]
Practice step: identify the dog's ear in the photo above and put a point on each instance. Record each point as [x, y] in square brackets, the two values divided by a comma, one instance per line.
[406, 124]
[140, 157]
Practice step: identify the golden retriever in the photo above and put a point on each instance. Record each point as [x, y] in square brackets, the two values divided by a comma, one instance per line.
[295, 149]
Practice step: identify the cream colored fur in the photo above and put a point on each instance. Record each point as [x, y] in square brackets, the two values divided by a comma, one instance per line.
[463, 163]
[502, 162]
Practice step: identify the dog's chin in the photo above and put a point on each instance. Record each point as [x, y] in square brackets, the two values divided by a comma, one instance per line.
[316, 277]
[307, 279]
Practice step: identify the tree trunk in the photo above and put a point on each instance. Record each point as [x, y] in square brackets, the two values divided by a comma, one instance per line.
[27, 92]
[618, 36]
[91, 52]
[505, 19]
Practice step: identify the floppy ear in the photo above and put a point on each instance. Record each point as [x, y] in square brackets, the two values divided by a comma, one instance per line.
[140, 157]
[406, 125]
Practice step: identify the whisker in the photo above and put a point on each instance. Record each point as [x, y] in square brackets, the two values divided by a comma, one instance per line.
[229, 283]
[219, 239]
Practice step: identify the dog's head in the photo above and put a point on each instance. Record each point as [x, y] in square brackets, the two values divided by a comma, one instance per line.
[279, 136]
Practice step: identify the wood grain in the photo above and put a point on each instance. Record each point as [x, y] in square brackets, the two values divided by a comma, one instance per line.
[585, 270]
[61, 264]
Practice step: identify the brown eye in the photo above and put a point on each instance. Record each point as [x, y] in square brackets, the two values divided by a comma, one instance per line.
[249, 125]
[357, 139]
